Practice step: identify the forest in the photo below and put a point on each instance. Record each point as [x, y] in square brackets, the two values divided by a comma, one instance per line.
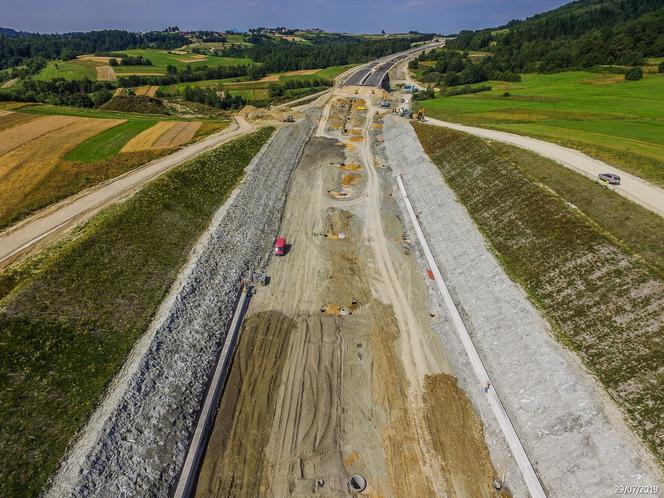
[578, 35]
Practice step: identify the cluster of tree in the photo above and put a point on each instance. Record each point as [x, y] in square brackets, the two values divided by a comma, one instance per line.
[130, 61]
[277, 90]
[208, 36]
[17, 51]
[190, 74]
[285, 56]
[581, 34]
[465, 90]
[210, 97]
[427, 93]
[81, 93]
[454, 68]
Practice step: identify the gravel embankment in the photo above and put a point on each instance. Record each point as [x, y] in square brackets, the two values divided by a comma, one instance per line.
[574, 435]
[137, 441]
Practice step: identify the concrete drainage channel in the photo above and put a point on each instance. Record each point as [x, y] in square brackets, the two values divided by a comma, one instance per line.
[189, 475]
[138, 438]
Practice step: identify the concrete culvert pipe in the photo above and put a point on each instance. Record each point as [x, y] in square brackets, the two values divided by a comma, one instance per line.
[357, 484]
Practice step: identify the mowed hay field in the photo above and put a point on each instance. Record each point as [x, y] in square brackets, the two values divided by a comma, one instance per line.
[32, 151]
[163, 135]
[47, 158]
[600, 114]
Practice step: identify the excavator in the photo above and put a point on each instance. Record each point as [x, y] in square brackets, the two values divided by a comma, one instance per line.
[419, 115]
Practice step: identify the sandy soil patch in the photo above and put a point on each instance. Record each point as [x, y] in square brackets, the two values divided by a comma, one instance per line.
[105, 73]
[319, 395]
[26, 168]
[163, 135]
[16, 136]
[9, 83]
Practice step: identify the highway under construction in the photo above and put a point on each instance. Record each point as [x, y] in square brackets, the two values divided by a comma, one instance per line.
[338, 372]
[385, 353]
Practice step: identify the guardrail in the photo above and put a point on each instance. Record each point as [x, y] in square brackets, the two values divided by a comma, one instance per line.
[189, 473]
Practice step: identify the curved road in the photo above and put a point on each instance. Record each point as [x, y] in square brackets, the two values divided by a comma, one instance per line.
[634, 188]
[46, 224]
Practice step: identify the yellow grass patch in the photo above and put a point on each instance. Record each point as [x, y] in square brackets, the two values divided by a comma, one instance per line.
[105, 73]
[299, 72]
[195, 58]
[28, 132]
[9, 119]
[9, 83]
[137, 74]
[147, 90]
[178, 135]
[97, 58]
[356, 139]
[24, 168]
[163, 135]
[605, 79]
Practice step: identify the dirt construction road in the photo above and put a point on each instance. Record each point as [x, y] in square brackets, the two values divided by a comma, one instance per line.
[337, 371]
[47, 224]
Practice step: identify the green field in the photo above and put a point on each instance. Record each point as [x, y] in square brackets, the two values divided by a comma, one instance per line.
[71, 316]
[613, 120]
[161, 59]
[69, 70]
[240, 86]
[109, 142]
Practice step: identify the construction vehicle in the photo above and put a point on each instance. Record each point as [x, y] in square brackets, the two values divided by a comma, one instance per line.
[289, 119]
[420, 114]
[385, 103]
[280, 246]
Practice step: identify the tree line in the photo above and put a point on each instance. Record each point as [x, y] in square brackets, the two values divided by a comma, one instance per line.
[17, 51]
[578, 35]
[285, 56]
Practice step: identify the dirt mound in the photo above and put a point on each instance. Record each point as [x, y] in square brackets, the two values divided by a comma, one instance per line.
[136, 103]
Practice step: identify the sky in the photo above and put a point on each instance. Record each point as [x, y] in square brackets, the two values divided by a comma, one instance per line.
[355, 16]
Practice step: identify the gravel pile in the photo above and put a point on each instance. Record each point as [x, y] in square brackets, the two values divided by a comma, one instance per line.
[574, 435]
[145, 433]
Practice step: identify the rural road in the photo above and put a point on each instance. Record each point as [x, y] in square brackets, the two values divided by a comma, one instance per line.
[25, 235]
[632, 187]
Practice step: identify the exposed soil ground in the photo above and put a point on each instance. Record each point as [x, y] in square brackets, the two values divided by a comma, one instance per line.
[338, 371]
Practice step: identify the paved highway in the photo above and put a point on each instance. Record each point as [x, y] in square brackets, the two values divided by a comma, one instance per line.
[374, 73]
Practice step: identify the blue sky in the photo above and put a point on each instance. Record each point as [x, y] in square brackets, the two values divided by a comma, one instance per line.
[441, 16]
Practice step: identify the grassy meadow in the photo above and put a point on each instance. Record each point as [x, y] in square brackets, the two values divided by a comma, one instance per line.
[70, 316]
[161, 59]
[601, 114]
[69, 70]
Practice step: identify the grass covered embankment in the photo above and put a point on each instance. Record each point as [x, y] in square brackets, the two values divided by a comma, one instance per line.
[601, 114]
[69, 318]
[594, 269]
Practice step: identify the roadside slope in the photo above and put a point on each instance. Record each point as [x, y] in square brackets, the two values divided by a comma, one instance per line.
[574, 435]
[632, 187]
